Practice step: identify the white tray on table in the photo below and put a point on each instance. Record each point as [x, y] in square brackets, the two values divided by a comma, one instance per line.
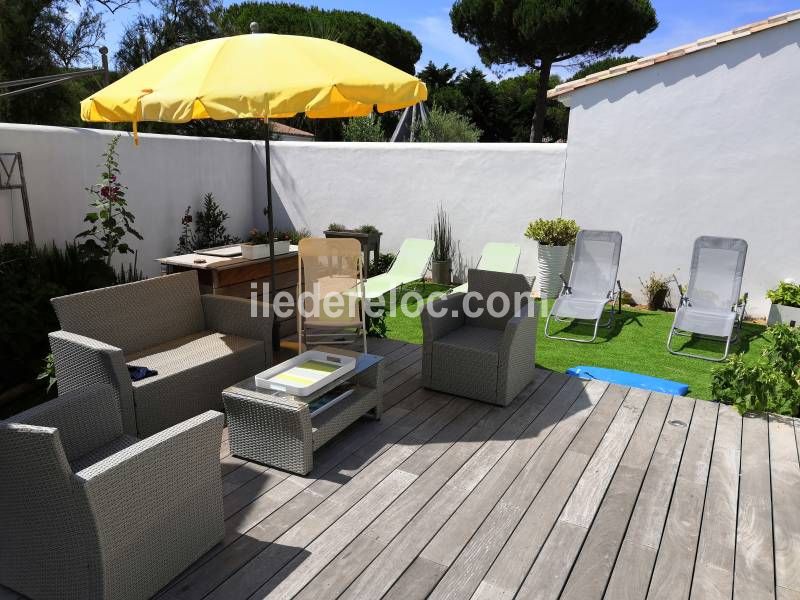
[306, 373]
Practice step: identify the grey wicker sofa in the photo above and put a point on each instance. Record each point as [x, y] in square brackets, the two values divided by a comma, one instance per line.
[487, 358]
[198, 344]
[87, 512]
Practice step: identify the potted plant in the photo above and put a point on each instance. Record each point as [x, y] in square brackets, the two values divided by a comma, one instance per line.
[258, 244]
[442, 259]
[367, 235]
[554, 237]
[656, 290]
[785, 303]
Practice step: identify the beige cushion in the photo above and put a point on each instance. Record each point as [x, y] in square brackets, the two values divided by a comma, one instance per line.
[192, 372]
[203, 347]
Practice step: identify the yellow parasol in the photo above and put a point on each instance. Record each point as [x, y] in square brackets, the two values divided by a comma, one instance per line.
[259, 76]
[256, 76]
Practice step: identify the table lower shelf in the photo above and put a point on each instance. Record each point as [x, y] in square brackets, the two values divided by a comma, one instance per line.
[284, 435]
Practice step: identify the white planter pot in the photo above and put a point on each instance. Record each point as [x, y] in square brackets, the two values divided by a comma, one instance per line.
[568, 265]
[552, 261]
[789, 315]
[254, 251]
[281, 247]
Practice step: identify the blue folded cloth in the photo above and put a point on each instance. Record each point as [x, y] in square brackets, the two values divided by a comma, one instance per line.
[139, 373]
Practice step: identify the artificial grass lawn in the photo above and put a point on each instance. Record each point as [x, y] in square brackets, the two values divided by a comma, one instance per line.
[636, 343]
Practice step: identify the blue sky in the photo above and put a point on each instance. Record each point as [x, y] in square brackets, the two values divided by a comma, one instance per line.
[681, 21]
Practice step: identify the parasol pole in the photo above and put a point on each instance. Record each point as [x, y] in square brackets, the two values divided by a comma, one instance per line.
[276, 343]
[271, 234]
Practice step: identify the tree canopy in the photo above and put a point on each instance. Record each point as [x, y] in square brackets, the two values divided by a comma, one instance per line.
[44, 37]
[540, 33]
[381, 39]
[589, 68]
[500, 109]
[178, 22]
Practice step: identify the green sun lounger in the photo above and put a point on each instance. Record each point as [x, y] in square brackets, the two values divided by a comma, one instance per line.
[410, 265]
[502, 258]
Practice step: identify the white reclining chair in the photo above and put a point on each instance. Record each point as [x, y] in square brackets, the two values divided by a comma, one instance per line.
[592, 283]
[711, 307]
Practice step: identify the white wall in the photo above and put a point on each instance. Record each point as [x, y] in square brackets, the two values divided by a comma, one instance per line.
[705, 144]
[164, 175]
[491, 191]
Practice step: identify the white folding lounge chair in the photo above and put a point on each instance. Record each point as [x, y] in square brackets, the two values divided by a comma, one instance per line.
[592, 283]
[711, 307]
[331, 287]
[497, 257]
[410, 265]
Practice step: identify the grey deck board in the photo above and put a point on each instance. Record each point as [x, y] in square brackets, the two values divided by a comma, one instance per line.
[551, 568]
[785, 512]
[575, 490]
[592, 567]
[533, 517]
[630, 576]
[672, 574]
[392, 561]
[754, 573]
[713, 573]
[264, 565]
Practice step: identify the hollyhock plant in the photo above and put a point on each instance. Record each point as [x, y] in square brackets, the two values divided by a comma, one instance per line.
[109, 218]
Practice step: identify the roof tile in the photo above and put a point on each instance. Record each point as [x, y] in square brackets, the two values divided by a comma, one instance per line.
[701, 44]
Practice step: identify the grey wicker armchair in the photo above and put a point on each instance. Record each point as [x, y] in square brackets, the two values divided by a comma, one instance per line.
[199, 345]
[484, 357]
[87, 512]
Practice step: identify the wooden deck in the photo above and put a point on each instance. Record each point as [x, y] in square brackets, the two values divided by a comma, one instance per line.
[577, 490]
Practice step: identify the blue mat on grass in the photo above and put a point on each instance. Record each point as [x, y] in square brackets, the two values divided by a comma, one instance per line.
[644, 382]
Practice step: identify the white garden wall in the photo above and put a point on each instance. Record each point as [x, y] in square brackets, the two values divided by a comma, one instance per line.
[491, 191]
[164, 175]
[704, 144]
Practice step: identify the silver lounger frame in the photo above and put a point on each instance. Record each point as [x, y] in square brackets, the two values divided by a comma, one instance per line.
[613, 295]
[738, 305]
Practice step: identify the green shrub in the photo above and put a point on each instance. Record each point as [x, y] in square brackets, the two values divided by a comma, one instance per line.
[771, 384]
[553, 232]
[787, 294]
[336, 227]
[363, 129]
[376, 326]
[367, 229]
[209, 228]
[446, 126]
[70, 269]
[31, 276]
[381, 264]
[293, 236]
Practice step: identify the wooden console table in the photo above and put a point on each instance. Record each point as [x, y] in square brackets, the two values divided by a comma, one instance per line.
[234, 276]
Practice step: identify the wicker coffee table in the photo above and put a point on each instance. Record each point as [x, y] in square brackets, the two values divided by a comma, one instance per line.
[278, 430]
